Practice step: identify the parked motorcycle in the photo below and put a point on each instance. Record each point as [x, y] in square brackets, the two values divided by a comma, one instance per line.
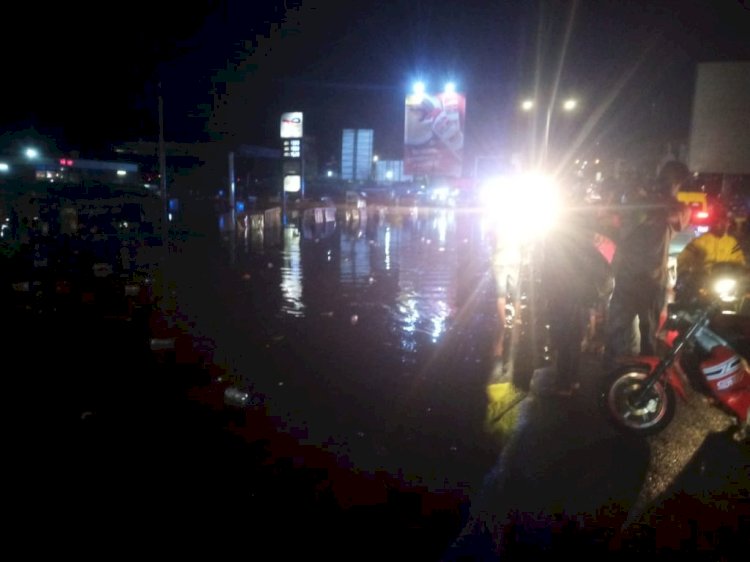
[709, 343]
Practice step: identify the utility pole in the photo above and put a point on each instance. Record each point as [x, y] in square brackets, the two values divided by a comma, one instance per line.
[163, 173]
[232, 184]
[164, 206]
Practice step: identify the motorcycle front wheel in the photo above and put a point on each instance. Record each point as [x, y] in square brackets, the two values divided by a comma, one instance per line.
[628, 409]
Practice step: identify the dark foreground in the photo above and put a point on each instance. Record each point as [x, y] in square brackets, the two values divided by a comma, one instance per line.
[112, 449]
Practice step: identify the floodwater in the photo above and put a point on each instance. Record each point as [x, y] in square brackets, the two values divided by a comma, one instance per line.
[370, 338]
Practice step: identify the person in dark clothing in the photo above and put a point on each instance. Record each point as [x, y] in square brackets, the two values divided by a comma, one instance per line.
[647, 222]
[576, 278]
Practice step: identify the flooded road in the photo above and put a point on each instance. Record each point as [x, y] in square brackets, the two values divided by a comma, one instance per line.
[370, 338]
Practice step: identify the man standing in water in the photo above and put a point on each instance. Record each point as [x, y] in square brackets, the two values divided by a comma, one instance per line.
[506, 270]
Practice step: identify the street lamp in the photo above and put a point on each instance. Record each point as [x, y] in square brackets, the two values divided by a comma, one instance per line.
[527, 105]
[568, 106]
[31, 153]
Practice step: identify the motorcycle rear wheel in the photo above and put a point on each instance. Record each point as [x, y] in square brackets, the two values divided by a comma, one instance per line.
[617, 399]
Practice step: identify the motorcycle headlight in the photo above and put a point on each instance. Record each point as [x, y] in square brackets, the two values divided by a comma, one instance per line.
[522, 205]
[726, 289]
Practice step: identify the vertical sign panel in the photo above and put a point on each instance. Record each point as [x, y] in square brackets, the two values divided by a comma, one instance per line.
[356, 154]
[348, 144]
[364, 154]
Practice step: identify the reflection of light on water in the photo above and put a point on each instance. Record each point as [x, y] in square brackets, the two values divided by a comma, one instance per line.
[438, 320]
[425, 305]
[409, 314]
[421, 315]
[441, 225]
[355, 267]
[291, 274]
[387, 246]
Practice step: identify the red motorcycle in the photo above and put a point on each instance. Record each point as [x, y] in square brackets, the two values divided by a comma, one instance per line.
[709, 341]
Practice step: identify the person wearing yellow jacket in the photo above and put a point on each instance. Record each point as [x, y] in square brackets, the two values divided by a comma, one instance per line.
[713, 247]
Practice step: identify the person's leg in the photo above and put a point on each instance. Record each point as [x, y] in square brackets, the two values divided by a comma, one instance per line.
[567, 327]
[619, 331]
[499, 348]
[504, 284]
[650, 314]
[501, 290]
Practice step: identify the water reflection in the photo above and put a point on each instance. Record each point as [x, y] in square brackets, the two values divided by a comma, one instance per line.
[408, 273]
[291, 274]
[376, 328]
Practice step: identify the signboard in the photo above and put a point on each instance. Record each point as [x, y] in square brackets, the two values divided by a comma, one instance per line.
[720, 128]
[291, 125]
[292, 184]
[434, 134]
[292, 148]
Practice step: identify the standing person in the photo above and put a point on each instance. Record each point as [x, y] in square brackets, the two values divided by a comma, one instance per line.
[577, 279]
[506, 260]
[649, 220]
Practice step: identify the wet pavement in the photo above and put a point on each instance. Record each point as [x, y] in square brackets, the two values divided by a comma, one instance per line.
[368, 426]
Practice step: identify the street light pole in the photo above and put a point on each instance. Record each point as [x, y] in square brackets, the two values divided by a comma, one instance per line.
[545, 145]
[232, 184]
[163, 170]
[164, 208]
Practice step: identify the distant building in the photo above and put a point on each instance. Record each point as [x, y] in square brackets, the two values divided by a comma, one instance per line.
[70, 170]
[356, 154]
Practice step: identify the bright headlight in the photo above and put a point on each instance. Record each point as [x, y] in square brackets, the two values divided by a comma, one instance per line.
[525, 204]
[726, 289]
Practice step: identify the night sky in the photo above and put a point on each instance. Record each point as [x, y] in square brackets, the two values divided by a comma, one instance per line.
[88, 76]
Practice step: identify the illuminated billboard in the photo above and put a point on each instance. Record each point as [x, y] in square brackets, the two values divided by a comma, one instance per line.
[291, 125]
[434, 134]
[720, 126]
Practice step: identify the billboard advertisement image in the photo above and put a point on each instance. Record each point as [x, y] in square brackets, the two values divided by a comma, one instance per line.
[434, 134]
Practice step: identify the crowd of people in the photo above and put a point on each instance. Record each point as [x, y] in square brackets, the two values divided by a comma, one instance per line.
[627, 291]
